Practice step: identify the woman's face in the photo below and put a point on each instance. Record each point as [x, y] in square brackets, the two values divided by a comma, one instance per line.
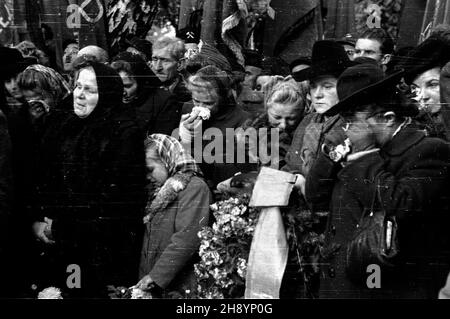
[40, 102]
[283, 116]
[426, 91]
[130, 87]
[13, 89]
[157, 171]
[322, 91]
[85, 95]
[205, 97]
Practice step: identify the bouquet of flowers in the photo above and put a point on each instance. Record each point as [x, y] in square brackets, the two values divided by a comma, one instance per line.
[128, 293]
[224, 249]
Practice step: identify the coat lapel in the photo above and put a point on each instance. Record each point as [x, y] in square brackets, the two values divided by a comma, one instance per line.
[404, 140]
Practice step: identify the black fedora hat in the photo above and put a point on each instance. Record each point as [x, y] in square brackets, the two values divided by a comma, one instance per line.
[361, 84]
[328, 58]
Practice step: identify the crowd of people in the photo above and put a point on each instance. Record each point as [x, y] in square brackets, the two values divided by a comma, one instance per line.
[108, 164]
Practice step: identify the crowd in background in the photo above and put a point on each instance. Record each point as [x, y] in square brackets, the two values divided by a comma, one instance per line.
[92, 173]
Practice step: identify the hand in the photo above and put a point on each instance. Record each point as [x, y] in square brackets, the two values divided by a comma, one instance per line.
[189, 127]
[42, 232]
[145, 283]
[191, 121]
[361, 136]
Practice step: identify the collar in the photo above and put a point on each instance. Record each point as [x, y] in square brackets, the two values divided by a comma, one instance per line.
[171, 87]
[405, 138]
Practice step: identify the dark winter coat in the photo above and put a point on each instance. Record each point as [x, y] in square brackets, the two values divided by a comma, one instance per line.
[230, 116]
[161, 111]
[308, 139]
[171, 243]
[412, 172]
[92, 184]
[283, 143]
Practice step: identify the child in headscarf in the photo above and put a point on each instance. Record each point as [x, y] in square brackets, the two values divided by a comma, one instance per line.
[179, 210]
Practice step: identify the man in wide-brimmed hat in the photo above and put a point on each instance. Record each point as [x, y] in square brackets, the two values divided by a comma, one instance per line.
[389, 158]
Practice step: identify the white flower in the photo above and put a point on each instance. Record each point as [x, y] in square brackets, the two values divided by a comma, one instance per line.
[241, 267]
[137, 293]
[235, 211]
[50, 293]
[177, 186]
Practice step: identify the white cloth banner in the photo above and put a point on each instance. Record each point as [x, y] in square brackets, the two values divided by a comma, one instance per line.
[268, 256]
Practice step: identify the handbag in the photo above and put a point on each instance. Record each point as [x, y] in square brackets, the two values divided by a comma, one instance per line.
[375, 241]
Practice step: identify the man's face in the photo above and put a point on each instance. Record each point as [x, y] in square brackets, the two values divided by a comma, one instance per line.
[323, 93]
[368, 48]
[163, 65]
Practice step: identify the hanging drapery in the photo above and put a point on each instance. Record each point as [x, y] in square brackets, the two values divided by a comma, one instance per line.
[92, 22]
[295, 28]
[436, 12]
[6, 21]
[340, 18]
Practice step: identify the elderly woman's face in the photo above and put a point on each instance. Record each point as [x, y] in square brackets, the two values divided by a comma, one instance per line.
[283, 116]
[426, 90]
[156, 170]
[130, 87]
[85, 95]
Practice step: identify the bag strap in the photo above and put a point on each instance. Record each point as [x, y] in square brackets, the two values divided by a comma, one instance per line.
[376, 194]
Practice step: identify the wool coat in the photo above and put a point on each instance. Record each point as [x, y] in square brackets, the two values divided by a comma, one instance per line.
[92, 185]
[412, 174]
[171, 244]
[230, 116]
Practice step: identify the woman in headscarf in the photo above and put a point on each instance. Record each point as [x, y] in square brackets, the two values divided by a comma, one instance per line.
[43, 89]
[137, 78]
[174, 216]
[91, 190]
[211, 92]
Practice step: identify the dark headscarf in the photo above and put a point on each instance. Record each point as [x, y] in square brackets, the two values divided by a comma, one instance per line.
[110, 88]
[138, 69]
